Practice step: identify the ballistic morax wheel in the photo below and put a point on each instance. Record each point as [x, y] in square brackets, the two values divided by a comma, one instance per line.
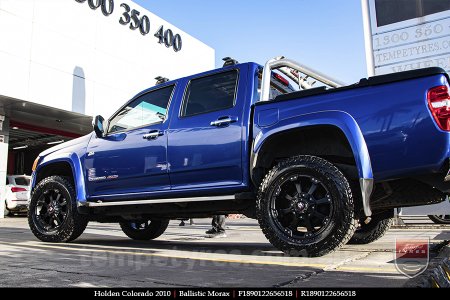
[144, 230]
[53, 215]
[305, 207]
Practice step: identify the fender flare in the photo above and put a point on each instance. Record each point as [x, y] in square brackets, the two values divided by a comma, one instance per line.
[344, 122]
[77, 172]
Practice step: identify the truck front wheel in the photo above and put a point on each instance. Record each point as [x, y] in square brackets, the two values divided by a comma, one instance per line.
[144, 230]
[52, 214]
[305, 207]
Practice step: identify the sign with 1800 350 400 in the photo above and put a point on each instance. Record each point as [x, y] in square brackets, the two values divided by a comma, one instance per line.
[135, 21]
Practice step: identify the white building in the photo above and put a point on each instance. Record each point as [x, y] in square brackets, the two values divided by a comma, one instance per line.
[64, 61]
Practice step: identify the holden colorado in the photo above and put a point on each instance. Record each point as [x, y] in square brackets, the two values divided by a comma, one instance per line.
[318, 163]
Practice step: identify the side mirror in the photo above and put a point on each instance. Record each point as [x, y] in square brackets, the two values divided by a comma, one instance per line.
[98, 123]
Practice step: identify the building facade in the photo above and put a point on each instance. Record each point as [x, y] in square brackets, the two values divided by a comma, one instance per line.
[64, 61]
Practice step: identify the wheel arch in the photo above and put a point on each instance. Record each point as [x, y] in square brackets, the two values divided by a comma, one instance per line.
[319, 134]
[67, 165]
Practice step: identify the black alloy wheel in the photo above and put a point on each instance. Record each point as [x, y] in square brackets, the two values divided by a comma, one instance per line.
[51, 211]
[301, 206]
[53, 214]
[305, 207]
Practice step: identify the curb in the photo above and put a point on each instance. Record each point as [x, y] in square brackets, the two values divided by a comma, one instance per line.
[420, 226]
[437, 274]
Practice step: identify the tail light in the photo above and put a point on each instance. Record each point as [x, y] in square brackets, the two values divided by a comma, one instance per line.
[18, 189]
[439, 103]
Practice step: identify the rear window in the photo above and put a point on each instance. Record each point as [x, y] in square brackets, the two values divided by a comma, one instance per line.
[22, 181]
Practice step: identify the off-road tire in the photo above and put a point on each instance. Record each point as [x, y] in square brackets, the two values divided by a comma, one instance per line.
[155, 229]
[341, 225]
[375, 229]
[74, 224]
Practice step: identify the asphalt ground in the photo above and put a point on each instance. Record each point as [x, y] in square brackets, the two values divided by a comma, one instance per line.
[183, 257]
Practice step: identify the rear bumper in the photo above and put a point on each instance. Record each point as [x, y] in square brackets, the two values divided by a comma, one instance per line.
[17, 205]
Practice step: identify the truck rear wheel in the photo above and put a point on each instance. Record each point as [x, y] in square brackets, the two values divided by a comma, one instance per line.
[53, 215]
[305, 207]
[375, 229]
[144, 230]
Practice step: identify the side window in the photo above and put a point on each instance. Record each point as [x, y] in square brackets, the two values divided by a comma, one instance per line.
[146, 109]
[212, 93]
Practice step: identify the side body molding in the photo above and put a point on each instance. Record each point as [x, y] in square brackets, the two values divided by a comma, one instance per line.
[342, 120]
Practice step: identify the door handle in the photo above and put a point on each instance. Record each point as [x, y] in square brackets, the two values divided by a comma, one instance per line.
[224, 121]
[153, 134]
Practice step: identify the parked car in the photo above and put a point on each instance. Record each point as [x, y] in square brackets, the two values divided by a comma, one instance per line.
[318, 167]
[440, 219]
[438, 213]
[17, 188]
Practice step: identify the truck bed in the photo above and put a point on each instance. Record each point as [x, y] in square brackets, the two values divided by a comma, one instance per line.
[392, 113]
[364, 82]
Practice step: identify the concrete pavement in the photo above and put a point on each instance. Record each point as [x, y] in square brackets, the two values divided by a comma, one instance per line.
[104, 257]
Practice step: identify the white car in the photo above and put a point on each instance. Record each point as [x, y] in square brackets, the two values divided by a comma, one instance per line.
[17, 188]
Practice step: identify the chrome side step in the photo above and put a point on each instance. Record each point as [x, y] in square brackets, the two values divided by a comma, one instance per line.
[159, 201]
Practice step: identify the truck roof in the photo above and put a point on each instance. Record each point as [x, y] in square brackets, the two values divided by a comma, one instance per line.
[252, 64]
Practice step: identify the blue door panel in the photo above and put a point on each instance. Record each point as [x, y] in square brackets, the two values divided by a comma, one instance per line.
[127, 163]
[202, 155]
[205, 155]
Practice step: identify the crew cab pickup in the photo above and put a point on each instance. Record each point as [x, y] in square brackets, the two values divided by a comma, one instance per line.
[316, 166]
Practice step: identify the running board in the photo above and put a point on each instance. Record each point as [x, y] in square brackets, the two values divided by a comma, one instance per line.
[159, 201]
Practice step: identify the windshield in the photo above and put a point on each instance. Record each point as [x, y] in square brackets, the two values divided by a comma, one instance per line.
[149, 108]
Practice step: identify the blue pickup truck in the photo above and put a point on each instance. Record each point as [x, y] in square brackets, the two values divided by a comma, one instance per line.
[318, 166]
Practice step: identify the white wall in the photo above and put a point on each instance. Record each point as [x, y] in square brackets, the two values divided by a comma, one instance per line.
[45, 43]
